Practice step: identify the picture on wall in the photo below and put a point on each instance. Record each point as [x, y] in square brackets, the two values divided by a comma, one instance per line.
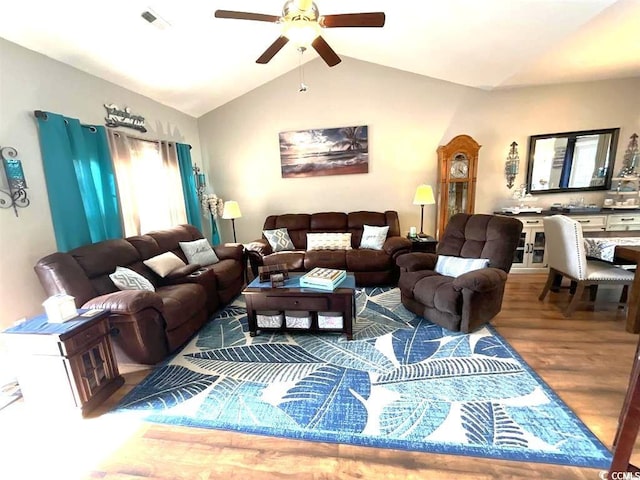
[324, 151]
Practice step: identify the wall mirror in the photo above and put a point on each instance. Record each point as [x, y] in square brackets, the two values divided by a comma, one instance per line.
[571, 161]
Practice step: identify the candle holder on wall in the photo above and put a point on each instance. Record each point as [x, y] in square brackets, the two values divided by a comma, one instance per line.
[512, 165]
[13, 186]
[201, 182]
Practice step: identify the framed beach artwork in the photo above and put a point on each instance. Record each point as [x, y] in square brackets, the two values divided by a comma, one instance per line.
[324, 151]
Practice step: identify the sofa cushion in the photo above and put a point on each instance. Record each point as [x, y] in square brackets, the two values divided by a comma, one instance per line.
[164, 264]
[325, 259]
[456, 266]
[294, 260]
[181, 302]
[126, 279]
[328, 241]
[437, 291]
[279, 239]
[373, 237]
[199, 251]
[368, 260]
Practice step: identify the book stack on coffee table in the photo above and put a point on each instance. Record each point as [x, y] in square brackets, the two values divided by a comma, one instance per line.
[323, 278]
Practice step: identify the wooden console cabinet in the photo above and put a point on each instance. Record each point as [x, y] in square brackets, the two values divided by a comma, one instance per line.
[65, 366]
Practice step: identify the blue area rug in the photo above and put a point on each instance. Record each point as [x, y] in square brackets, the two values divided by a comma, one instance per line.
[402, 383]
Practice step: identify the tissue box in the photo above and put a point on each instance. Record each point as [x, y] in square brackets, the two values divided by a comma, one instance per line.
[60, 308]
[269, 319]
[330, 320]
[297, 319]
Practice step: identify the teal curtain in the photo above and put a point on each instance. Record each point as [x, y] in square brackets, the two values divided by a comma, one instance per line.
[80, 181]
[215, 235]
[191, 203]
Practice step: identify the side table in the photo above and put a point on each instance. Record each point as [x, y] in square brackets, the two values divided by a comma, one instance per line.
[423, 244]
[68, 365]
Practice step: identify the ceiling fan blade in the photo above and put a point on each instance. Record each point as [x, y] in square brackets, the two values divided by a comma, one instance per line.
[374, 19]
[260, 17]
[274, 48]
[325, 51]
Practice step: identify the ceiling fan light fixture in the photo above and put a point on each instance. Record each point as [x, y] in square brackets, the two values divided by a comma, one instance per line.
[301, 32]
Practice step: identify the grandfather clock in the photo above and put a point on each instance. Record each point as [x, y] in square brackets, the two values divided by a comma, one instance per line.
[457, 171]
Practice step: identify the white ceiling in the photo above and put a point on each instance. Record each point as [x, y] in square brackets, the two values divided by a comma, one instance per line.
[201, 62]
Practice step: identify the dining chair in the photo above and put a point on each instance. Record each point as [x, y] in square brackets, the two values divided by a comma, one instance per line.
[566, 257]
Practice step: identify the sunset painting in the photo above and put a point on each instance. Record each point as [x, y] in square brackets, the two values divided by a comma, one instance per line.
[326, 151]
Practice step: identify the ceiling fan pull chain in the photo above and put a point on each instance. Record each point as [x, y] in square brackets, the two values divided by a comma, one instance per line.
[303, 86]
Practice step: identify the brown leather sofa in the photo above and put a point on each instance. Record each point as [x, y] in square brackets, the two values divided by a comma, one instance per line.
[146, 326]
[370, 267]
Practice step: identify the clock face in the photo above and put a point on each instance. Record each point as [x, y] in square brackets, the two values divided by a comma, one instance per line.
[460, 168]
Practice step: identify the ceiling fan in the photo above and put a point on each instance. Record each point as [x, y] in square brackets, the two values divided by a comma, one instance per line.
[302, 23]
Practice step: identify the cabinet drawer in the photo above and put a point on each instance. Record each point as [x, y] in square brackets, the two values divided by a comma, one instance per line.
[623, 222]
[84, 338]
[531, 222]
[596, 222]
[276, 302]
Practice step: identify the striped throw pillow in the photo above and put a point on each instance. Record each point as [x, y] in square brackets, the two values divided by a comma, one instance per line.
[456, 266]
[328, 241]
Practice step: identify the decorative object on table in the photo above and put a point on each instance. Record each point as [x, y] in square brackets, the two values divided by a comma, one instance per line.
[13, 186]
[631, 158]
[301, 22]
[323, 278]
[512, 165]
[457, 171]
[413, 232]
[523, 199]
[200, 181]
[231, 211]
[625, 191]
[394, 375]
[265, 271]
[277, 280]
[423, 196]
[60, 308]
[215, 206]
[324, 151]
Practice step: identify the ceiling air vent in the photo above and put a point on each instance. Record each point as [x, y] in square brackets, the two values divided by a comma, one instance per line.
[154, 19]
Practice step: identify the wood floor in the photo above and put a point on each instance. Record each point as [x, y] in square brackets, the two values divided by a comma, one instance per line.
[586, 359]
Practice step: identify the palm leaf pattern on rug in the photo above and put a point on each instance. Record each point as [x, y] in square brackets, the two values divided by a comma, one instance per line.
[403, 382]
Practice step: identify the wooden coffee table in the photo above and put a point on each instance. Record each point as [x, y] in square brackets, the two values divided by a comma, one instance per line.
[262, 297]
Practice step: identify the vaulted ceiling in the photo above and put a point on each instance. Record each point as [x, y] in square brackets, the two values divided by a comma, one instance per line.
[199, 62]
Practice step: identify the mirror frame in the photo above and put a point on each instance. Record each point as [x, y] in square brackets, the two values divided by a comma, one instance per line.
[612, 159]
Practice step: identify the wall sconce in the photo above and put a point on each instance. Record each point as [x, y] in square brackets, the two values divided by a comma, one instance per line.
[12, 183]
[512, 165]
[631, 157]
[424, 196]
[231, 211]
[201, 182]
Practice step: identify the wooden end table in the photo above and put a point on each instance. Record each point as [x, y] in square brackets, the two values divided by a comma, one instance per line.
[69, 365]
[262, 297]
[423, 244]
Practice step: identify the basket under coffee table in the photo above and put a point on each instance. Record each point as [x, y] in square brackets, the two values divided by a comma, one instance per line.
[261, 297]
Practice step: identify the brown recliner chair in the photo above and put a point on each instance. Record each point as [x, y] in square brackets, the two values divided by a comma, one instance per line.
[465, 302]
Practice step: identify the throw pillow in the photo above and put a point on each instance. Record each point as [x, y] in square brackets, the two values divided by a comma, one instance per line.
[279, 239]
[164, 264]
[456, 266]
[373, 237]
[127, 279]
[200, 252]
[328, 241]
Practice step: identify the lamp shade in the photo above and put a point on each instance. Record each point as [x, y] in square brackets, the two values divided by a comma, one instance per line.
[231, 210]
[424, 195]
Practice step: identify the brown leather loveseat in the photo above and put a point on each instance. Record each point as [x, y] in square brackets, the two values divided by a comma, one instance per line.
[146, 326]
[369, 266]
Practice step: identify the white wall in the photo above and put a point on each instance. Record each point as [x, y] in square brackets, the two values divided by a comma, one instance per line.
[408, 116]
[30, 81]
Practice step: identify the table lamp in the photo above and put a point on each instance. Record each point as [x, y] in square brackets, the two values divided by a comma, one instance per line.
[424, 196]
[231, 211]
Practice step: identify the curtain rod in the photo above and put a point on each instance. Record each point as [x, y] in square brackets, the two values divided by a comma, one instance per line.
[43, 115]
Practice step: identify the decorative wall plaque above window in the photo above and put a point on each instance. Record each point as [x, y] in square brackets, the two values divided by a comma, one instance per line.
[117, 117]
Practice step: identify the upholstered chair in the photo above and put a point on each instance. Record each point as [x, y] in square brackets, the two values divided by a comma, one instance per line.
[461, 286]
[566, 257]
